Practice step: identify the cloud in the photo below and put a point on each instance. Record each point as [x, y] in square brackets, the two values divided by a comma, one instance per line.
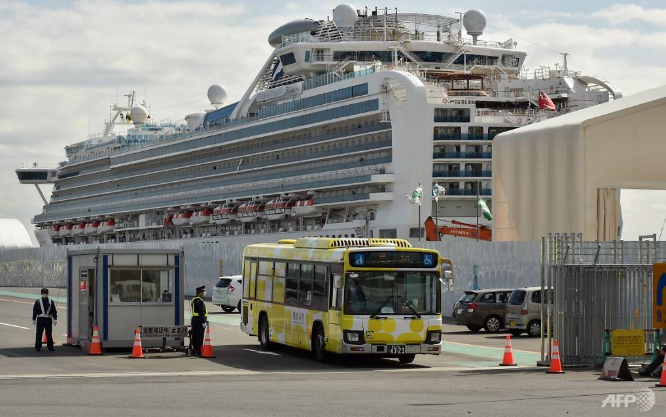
[62, 67]
[626, 13]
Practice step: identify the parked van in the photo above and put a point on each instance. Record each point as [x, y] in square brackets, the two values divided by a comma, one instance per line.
[523, 311]
[482, 309]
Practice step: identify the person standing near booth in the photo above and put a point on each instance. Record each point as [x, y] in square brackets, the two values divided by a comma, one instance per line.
[44, 317]
[199, 319]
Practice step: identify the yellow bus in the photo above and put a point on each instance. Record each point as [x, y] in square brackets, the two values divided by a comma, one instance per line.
[346, 296]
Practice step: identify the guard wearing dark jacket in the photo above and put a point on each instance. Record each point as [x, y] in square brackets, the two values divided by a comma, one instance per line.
[199, 319]
[44, 316]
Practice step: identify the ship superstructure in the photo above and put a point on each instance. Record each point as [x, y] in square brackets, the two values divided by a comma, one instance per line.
[345, 118]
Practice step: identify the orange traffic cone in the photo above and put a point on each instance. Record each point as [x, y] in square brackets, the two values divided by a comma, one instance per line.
[508, 353]
[95, 347]
[555, 364]
[662, 379]
[137, 351]
[207, 349]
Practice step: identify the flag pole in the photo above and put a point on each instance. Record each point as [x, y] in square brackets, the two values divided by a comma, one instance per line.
[419, 222]
[437, 217]
[478, 195]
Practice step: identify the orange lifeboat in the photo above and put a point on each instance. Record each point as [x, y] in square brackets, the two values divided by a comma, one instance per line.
[78, 229]
[201, 217]
[91, 228]
[107, 226]
[66, 230]
[277, 208]
[225, 213]
[305, 207]
[250, 211]
[182, 219]
[168, 220]
[54, 231]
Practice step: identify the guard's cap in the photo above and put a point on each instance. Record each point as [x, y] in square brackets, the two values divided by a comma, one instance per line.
[202, 288]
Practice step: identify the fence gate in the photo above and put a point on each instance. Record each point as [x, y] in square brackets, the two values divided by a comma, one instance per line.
[596, 286]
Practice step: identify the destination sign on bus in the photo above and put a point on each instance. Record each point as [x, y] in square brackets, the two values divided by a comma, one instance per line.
[393, 259]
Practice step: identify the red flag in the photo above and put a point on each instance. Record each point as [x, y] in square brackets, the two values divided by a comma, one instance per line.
[545, 102]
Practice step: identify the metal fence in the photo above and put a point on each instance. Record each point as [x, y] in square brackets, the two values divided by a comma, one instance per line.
[597, 286]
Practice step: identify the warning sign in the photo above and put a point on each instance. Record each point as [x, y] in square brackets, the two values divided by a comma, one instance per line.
[628, 342]
[658, 287]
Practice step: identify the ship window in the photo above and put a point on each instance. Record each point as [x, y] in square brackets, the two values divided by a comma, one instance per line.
[288, 59]
[307, 56]
[447, 133]
[430, 56]
[452, 115]
[494, 131]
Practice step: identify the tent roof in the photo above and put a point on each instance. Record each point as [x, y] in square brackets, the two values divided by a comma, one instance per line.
[13, 235]
[597, 113]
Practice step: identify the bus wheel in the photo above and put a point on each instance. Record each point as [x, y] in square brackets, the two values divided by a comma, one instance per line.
[264, 338]
[406, 358]
[319, 344]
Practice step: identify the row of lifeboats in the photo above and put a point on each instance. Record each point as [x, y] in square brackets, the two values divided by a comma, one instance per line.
[80, 229]
[246, 212]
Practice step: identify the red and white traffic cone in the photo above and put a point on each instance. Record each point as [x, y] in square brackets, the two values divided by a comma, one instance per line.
[207, 349]
[137, 350]
[508, 354]
[555, 363]
[95, 346]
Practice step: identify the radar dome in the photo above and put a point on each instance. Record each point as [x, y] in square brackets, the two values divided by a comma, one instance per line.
[474, 23]
[345, 16]
[217, 95]
[139, 114]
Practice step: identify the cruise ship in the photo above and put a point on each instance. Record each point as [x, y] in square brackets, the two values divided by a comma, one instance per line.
[346, 117]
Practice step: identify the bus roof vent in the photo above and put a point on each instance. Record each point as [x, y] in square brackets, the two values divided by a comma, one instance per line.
[400, 243]
[286, 241]
[331, 242]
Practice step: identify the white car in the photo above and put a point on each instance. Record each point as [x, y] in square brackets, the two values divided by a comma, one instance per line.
[228, 292]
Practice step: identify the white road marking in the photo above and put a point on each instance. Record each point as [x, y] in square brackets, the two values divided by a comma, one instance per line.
[492, 347]
[13, 325]
[240, 373]
[262, 352]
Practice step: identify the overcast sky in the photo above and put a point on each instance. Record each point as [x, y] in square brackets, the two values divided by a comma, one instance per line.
[63, 63]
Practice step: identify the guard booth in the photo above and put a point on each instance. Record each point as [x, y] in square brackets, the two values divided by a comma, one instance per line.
[121, 289]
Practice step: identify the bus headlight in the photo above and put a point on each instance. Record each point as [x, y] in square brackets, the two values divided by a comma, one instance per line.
[434, 336]
[354, 337]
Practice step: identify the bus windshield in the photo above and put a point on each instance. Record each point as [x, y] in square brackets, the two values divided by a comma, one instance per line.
[398, 293]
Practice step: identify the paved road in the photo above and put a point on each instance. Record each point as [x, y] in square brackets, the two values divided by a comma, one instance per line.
[242, 380]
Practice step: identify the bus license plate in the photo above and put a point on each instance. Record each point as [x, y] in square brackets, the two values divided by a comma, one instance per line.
[395, 349]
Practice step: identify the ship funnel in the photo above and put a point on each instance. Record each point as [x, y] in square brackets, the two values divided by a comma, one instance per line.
[474, 22]
[217, 95]
[139, 115]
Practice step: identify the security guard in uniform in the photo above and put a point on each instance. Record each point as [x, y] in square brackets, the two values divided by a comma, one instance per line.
[44, 316]
[199, 319]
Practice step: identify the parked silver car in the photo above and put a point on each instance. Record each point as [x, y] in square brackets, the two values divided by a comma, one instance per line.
[523, 311]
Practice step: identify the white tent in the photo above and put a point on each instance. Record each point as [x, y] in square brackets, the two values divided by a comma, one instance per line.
[564, 175]
[13, 235]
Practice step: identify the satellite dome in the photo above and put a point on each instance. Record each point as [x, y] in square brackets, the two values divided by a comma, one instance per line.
[345, 16]
[217, 95]
[139, 115]
[474, 22]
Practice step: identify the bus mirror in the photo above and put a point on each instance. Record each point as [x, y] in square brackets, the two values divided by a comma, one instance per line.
[448, 274]
[337, 281]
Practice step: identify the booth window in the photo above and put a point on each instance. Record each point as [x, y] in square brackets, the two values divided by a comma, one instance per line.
[137, 285]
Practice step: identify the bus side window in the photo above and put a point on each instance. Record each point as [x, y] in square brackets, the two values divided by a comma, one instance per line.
[291, 287]
[246, 279]
[336, 293]
[253, 279]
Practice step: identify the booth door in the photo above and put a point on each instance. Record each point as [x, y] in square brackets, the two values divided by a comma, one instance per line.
[87, 303]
